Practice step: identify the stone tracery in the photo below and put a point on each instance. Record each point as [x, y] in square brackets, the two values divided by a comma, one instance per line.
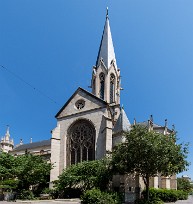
[82, 142]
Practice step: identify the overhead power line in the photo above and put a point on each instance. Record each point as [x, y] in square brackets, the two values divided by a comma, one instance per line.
[28, 84]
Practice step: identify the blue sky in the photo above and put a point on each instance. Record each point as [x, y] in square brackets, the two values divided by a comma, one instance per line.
[52, 45]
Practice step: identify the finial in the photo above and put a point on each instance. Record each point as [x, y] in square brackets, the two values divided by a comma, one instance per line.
[166, 122]
[134, 121]
[166, 127]
[151, 118]
[7, 129]
[107, 14]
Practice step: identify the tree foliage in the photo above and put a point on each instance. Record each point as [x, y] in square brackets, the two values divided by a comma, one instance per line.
[7, 166]
[23, 171]
[85, 176]
[148, 153]
[95, 196]
[184, 184]
[32, 170]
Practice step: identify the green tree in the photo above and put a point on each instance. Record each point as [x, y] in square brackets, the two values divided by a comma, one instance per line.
[32, 170]
[8, 171]
[7, 166]
[148, 153]
[85, 176]
[23, 171]
[184, 184]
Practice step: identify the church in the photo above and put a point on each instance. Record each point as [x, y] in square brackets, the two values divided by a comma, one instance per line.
[91, 123]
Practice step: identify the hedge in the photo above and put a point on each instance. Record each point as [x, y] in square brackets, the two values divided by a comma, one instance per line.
[166, 195]
[95, 196]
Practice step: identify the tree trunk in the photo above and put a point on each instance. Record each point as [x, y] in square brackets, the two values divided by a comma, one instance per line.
[147, 187]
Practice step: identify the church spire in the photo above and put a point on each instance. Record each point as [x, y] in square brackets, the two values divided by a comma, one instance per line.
[7, 135]
[105, 81]
[106, 50]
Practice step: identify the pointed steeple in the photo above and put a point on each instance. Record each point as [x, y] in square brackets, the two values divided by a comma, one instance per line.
[7, 134]
[106, 51]
[106, 81]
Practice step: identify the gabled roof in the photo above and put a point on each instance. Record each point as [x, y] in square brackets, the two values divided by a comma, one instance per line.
[86, 92]
[122, 124]
[106, 49]
[33, 145]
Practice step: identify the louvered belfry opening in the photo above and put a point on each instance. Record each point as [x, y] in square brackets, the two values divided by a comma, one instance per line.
[81, 142]
[112, 88]
[102, 86]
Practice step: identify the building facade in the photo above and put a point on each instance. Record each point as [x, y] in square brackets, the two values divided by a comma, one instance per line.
[91, 123]
[85, 124]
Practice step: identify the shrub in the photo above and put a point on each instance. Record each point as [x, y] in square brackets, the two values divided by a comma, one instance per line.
[166, 195]
[182, 195]
[95, 196]
[143, 201]
[184, 185]
[26, 195]
[46, 190]
[9, 184]
[53, 193]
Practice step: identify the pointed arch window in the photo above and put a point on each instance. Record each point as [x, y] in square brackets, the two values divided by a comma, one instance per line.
[82, 142]
[102, 85]
[112, 88]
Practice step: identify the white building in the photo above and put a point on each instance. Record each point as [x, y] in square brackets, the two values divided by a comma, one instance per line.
[6, 143]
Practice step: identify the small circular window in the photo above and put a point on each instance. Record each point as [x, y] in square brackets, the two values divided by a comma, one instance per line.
[80, 104]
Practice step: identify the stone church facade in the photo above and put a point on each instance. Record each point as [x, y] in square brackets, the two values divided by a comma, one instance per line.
[85, 124]
[91, 124]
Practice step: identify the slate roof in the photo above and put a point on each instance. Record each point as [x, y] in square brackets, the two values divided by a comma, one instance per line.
[122, 123]
[33, 145]
[106, 49]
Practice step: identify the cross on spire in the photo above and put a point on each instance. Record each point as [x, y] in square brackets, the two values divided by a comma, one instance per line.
[107, 13]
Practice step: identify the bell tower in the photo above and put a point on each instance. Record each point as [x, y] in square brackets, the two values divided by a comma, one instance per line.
[105, 81]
